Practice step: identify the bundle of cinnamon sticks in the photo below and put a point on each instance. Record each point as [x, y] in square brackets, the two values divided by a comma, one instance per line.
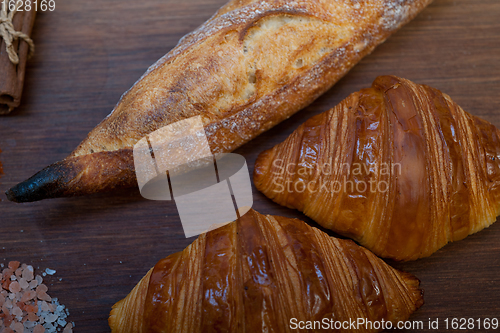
[11, 74]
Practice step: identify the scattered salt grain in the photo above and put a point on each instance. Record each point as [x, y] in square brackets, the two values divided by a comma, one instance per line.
[33, 284]
[41, 288]
[68, 328]
[50, 318]
[25, 306]
[30, 323]
[16, 311]
[18, 327]
[44, 307]
[13, 265]
[14, 287]
[23, 283]
[28, 296]
[28, 273]
[32, 316]
[39, 329]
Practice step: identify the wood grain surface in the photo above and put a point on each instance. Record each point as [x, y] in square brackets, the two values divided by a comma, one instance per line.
[90, 52]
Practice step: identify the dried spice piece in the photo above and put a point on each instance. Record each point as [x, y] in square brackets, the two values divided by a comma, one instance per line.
[25, 305]
[12, 78]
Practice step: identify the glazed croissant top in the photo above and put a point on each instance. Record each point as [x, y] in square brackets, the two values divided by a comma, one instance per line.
[398, 167]
[252, 65]
[260, 272]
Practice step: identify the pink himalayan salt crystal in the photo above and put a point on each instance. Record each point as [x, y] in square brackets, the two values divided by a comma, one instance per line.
[13, 297]
[28, 273]
[16, 311]
[19, 307]
[33, 284]
[39, 329]
[52, 307]
[14, 287]
[18, 327]
[23, 283]
[32, 316]
[7, 320]
[45, 306]
[5, 284]
[13, 265]
[29, 295]
[32, 307]
[41, 288]
[41, 293]
[68, 328]
[43, 296]
[8, 304]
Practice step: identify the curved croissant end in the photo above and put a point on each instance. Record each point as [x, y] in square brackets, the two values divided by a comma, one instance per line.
[256, 274]
[398, 167]
[128, 313]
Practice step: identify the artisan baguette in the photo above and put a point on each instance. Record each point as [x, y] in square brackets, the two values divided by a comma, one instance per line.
[252, 65]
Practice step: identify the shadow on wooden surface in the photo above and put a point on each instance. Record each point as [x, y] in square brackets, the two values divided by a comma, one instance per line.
[90, 52]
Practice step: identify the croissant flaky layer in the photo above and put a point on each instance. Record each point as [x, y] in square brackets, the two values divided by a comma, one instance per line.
[398, 167]
[249, 67]
[266, 274]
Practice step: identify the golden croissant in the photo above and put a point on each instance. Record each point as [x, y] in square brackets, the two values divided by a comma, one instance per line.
[398, 167]
[252, 65]
[267, 274]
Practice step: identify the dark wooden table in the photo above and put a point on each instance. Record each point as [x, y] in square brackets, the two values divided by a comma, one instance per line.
[90, 52]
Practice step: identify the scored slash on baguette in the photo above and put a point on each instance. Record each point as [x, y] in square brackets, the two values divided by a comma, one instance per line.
[252, 65]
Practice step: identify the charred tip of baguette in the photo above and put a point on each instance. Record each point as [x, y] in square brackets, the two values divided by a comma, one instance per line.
[48, 183]
[78, 175]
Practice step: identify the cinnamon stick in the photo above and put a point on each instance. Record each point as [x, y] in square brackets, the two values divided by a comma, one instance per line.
[11, 75]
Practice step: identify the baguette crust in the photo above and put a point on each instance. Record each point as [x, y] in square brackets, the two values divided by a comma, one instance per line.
[252, 65]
